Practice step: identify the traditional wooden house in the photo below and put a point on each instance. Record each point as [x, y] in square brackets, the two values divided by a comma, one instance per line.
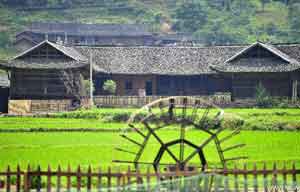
[53, 71]
[47, 71]
[85, 34]
[198, 70]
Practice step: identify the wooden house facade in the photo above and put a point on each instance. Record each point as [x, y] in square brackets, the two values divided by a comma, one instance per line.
[46, 71]
[54, 71]
[170, 71]
[85, 34]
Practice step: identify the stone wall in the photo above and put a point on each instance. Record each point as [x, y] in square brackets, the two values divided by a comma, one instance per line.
[23, 107]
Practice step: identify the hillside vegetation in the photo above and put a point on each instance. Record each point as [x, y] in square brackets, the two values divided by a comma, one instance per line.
[211, 21]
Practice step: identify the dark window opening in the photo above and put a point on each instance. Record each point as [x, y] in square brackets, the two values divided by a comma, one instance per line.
[128, 85]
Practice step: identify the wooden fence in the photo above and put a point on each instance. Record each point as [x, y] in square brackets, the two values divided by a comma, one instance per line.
[136, 101]
[235, 179]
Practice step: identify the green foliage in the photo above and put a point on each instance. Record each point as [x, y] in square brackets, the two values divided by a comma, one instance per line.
[98, 149]
[190, 16]
[262, 97]
[110, 86]
[211, 21]
[87, 86]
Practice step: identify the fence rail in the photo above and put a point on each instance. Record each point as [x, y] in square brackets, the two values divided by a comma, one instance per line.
[236, 179]
[137, 101]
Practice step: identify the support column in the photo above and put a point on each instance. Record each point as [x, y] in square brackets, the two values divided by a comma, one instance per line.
[295, 90]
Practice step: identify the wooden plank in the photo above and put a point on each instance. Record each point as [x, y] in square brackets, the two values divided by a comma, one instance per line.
[236, 180]
[89, 179]
[8, 179]
[255, 182]
[49, 179]
[99, 180]
[109, 184]
[245, 178]
[18, 179]
[69, 179]
[39, 179]
[265, 178]
[78, 186]
[58, 183]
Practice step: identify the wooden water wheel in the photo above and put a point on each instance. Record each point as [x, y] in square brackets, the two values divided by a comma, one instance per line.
[181, 114]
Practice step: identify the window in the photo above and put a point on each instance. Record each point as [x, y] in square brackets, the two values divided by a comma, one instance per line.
[128, 85]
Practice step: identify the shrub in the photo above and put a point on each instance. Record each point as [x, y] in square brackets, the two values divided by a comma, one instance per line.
[110, 86]
[262, 97]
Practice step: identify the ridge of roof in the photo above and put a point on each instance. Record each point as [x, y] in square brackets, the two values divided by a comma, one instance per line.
[68, 51]
[270, 48]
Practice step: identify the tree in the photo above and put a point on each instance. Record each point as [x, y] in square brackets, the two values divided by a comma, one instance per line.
[294, 20]
[110, 86]
[263, 4]
[190, 16]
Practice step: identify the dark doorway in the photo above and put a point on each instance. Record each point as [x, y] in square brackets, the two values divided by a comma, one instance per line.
[4, 93]
[149, 88]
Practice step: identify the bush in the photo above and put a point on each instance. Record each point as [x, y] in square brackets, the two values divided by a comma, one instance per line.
[262, 97]
[110, 86]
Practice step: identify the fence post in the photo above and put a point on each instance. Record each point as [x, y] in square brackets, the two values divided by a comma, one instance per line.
[245, 178]
[18, 181]
[39, 182]
[109, 176]
[58, 179]
[99, 182]
[265, 177]
[294, 177]
[89, 178]
[274, 179]
[236, 182]
[78, 179]
[69, 178]
[284, 184]
[226, 182]
[49, 179]
[27, 179]
[255, 183]
[148, 179]
[8, 179]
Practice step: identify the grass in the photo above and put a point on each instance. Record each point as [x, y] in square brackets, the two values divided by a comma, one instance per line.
[97, 149]
[115, 118]
[10, 123]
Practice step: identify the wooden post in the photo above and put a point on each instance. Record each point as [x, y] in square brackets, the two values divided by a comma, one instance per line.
[39, 179]
[255, 182]
[109, 178]
[89, 179]
[27, 180]
[265, 177]
[99, 182]
[284, 184]
[294, 177]
[274, 180]
[236, 182]
[8, 179]
[69, 179]
[58, 179]
[49, 179]
[245, 178]
[148, 180]
[18, 181]
[78, 179]
[91, 81]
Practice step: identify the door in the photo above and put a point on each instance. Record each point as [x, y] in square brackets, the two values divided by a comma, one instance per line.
[149, 88]
[4, 93]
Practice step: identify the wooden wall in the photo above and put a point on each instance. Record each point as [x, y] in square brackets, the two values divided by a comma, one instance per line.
[277, 84]
[39, 84]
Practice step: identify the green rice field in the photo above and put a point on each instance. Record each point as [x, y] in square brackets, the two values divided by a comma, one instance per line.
[270, 135]
[97, 149]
